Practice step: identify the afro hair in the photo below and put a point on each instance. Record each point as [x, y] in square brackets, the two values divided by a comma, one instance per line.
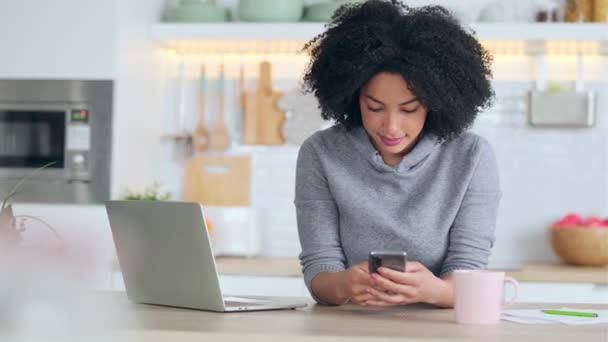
[442, 62]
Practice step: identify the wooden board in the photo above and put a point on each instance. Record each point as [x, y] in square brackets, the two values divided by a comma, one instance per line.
[218, 180]
[263, 118]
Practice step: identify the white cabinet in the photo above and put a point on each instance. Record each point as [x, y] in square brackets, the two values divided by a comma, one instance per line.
[529, 292]
[240, 285]
[545, 292]
[58, 39]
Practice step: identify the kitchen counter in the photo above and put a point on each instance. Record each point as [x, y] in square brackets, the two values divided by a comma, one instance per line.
[349, 322]
[530, 271]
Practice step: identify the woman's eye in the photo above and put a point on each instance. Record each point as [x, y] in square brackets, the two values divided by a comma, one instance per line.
[409, 111]
[375, 110]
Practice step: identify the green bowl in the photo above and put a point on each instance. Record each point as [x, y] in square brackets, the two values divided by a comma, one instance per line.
[322, 12]
[192, 12]
[270, 10]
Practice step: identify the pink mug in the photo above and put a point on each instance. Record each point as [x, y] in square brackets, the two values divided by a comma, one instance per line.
[478, 296]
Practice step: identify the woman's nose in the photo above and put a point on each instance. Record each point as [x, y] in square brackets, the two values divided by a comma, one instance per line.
[392, 123]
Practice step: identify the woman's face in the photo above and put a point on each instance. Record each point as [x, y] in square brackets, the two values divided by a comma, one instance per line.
[392, 115]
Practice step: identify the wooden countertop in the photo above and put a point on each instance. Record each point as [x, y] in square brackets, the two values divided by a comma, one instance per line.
[530, 271]
[553, 272]
[349, 322]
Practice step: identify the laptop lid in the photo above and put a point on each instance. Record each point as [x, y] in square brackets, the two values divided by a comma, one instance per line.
[165, 254]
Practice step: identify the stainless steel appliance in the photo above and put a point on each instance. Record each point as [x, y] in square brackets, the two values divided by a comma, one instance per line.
[67, 122]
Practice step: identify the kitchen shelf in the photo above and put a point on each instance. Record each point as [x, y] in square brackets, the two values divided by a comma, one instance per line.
[541, 31]
[234, 31]
[172, 32]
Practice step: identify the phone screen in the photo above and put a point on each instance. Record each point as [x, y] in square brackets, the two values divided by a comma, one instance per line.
[392, 260]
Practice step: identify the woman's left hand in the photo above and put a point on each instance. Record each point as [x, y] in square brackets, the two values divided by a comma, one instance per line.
[417, 284]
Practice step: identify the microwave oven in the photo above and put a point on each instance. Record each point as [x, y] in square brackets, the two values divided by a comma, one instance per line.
[63, 124]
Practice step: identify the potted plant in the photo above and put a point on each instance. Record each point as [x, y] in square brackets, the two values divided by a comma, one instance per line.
[151, 193]
[10, 234]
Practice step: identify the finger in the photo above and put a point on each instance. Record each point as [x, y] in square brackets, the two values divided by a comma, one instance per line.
[362, 299]
[414, 266]
[364, 279]
[378, 303]
[395, 299]
[385, 284]
[359, 289]
[381, 303]
[403, 278]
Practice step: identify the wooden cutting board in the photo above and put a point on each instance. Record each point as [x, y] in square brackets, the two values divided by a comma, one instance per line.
[218, 180]
[263, 118]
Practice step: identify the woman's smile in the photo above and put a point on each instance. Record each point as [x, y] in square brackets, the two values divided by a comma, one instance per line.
[391, 141]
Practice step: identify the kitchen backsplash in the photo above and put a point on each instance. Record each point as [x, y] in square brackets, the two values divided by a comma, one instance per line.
[545, 173]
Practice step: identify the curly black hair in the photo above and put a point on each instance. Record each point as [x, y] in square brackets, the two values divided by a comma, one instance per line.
[443, 63]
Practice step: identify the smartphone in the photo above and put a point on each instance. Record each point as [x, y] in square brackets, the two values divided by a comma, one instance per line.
[392, 260]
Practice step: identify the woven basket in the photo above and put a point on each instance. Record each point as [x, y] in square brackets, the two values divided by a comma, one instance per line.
[581, 245]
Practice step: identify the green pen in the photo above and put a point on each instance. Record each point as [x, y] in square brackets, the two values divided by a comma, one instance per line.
[570, 313]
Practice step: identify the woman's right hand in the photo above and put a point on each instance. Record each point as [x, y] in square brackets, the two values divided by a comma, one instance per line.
[355, 280]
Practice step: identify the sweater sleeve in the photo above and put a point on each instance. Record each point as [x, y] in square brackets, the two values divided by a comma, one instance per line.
[317, 218]
[471, 235]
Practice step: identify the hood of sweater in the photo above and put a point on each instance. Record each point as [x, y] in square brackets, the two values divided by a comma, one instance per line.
[426, 145]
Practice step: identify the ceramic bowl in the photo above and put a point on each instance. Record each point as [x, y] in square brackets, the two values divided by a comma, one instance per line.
[196, 11]
[322, 12]
[270, 10]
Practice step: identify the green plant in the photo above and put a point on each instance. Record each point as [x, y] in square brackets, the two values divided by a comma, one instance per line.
[150, 193]
[16, 188]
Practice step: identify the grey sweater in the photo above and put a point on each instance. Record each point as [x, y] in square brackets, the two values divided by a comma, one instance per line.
[439, 204]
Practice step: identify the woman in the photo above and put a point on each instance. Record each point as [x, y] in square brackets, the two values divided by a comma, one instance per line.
[397, 171]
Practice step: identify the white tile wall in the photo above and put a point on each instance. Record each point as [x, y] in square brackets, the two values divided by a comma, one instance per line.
[545, 173]
[272, 188]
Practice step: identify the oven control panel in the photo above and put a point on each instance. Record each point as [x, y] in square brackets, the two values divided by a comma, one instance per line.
[78, 144]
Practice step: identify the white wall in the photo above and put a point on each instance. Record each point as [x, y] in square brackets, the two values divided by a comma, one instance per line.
[59, 39]
[138, 98]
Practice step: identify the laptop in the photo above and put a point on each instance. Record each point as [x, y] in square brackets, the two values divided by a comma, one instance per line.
[165, 254]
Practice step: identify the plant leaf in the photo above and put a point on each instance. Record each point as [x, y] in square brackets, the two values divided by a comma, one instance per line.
[20, 183]
[6, 200]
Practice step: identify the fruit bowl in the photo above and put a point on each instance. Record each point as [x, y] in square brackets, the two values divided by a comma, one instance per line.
[580, 242]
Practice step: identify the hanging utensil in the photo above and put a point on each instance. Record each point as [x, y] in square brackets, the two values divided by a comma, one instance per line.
[181, 138]
[200, 138]
[240, 112]
[562, 107]
[219, 139]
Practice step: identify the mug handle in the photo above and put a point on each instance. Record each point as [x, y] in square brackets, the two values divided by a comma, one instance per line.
[515, 287]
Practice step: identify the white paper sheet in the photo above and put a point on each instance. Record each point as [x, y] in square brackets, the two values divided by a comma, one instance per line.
[536, 316]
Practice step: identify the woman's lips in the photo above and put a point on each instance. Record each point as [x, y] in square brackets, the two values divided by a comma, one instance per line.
[391, 141]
